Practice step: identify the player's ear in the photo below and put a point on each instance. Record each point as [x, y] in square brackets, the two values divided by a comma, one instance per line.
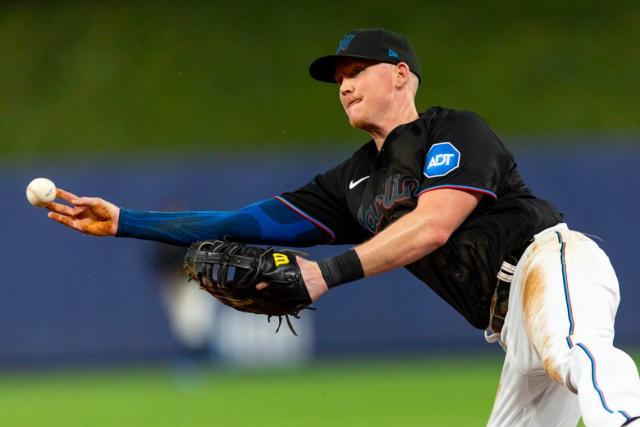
[401, 74]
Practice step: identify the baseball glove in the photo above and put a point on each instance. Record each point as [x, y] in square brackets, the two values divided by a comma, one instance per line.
[231, 271]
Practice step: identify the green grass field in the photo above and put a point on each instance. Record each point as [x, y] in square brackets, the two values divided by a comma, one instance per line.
[457, 392]
[416, 392]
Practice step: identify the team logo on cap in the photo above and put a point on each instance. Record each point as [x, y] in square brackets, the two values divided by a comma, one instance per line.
[345, 42]
[442, 158]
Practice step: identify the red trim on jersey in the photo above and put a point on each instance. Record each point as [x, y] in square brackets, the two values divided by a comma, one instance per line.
[461, 187]
[308, 218]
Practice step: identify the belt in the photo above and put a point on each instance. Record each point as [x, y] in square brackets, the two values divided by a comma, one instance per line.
[500, 299]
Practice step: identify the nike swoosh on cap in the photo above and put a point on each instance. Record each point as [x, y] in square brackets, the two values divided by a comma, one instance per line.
[353, 184]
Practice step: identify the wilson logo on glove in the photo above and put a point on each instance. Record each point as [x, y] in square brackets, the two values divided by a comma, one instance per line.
[280, 259]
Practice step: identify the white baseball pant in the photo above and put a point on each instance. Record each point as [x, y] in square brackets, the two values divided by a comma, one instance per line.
[558, 336]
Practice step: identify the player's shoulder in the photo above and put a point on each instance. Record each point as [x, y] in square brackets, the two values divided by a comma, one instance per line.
[463, 129]
[441, 116]
[462, 125]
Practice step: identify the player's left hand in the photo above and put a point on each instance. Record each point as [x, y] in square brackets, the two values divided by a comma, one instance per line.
[312, 278]
[233, 272]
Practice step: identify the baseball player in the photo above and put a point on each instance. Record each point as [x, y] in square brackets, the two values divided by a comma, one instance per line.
[438, 193]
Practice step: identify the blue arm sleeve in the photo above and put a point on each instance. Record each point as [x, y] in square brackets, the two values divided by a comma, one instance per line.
[268, 222]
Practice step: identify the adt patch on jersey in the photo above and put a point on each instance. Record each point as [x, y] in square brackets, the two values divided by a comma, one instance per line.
[442, 158]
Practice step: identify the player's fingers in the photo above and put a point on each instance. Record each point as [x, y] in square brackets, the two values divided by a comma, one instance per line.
[82, 201]
[262, 285]
[65, 195]
[65, 220]
[60, 208]
[88, 201]
[71, 211]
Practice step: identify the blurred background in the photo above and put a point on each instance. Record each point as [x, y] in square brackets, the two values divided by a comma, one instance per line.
[208, 105]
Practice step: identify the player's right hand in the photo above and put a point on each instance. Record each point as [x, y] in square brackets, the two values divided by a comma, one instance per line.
[89, 215]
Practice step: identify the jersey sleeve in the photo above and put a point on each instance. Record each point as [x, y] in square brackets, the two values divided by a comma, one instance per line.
[323, 202]
[466, 155]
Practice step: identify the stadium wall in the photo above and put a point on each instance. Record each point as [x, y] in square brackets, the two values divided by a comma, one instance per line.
[68, 298]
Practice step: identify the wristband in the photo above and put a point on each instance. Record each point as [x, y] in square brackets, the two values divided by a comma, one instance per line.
[341, 269]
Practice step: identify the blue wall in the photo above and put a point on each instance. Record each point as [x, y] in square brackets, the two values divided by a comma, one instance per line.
[66, 298]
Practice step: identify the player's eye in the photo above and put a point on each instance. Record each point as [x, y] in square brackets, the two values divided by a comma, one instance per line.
[356, 71]
[352, 72]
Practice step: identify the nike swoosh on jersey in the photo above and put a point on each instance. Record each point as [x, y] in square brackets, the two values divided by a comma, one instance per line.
[353, 184]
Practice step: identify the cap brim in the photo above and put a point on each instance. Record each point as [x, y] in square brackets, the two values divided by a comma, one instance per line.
[324, 68]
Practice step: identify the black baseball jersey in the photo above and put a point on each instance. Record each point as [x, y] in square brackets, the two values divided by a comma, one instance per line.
[443, 148]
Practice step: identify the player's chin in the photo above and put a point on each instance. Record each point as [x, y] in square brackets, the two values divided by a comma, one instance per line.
[358, 122]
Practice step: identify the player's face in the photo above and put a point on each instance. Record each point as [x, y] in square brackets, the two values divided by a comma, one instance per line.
[366, 91]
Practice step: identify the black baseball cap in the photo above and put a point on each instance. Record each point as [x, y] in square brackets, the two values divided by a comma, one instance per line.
[376, 44]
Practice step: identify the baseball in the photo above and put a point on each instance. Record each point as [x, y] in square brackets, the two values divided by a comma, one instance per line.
[41, 191]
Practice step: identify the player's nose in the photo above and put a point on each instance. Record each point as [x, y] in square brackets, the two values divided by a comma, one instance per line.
[346, 86]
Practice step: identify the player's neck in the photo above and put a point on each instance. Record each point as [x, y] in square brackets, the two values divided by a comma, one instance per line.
[380, 133]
